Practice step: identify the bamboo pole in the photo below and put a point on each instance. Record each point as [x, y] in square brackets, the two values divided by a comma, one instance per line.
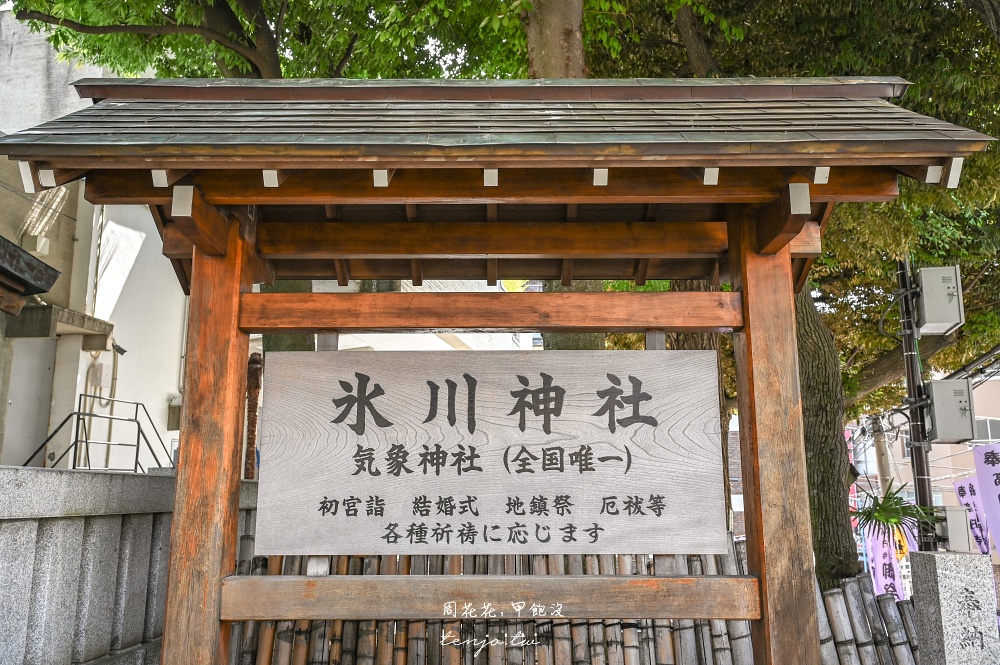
[827, 648]
[527, 626]
[739, 631]
[417, 634]
[896, 630]
[598, 654]
[515, 653]
[366, 629]
[494, 626]
[349, 641]
[435, 566]
[399, 645]
[562, 636]
[612, 627]
[863, 637]
[247, 528]
[684, 635]
[451, 655]
[875, 619]
[721, 648]
[543, 627]
[647, 656]
[630, 627]
[337, 625]
[840, 624]
[663, 630]
[578, 627]
[251, 633]
[384, 630]
[909, 624]
[702, 633]
[265, 645]
[285, 630]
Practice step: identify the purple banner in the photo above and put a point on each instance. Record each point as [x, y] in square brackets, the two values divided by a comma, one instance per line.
[988, 489]
[968, 496]
[883, 564]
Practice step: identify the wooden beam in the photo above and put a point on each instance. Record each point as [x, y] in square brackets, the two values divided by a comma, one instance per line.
[343, 272]
[808, 244]
[203, 542]
[401, 597]
[708, 176]
[577, 312]
[492, 276]
[202, 223]
[566, 278]
[641, 271]
[49, 178]
[273, 177]
[929, 175]
[775, 492]
[569, 240]
[952, 172]
[491, 177]
[416, 272]
[779, 223]
[167, 177]
[29, 178]
[522, 186]
[817, 175]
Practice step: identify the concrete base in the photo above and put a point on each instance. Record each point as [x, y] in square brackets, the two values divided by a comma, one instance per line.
[956, 608]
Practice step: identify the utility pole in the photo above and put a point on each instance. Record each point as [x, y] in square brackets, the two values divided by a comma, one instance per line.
[916, 398]
[881, 454]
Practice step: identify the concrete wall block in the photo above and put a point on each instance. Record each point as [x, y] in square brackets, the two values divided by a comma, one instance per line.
[156, 597]
[17, 563]
[129, 621]
[137, 655]
[54, 591]
[98, 585]
[31, 493]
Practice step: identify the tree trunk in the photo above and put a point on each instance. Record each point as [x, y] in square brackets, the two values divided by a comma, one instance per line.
[700, 60]
[255, 371]
[293, 341]
[827, 465]
[555, 39]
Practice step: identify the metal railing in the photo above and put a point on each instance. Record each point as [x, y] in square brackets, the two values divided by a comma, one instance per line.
[80, 448]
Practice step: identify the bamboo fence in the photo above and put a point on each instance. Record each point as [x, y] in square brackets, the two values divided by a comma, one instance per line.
[856, 627]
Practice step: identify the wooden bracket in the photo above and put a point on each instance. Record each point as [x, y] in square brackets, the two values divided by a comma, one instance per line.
[175, 244]
[382, 177]
[780, 222]
[491, 212]
[274, 178]
[708, 176]
[343, 272]
[330, 210]
[29, 178]
[416, 272]
[641, 271]
[566, 278]
[168, 177]
[411, 212]
[49, 178]
[945, 175]
[952, 172]
[808, 243]
[817, 175]
[202, 223]
[492, 270]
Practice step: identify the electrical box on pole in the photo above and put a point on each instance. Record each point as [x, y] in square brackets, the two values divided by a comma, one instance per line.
[939, 307]
[951, 415]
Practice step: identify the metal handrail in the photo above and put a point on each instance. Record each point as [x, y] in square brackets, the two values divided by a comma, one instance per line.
[81, 417]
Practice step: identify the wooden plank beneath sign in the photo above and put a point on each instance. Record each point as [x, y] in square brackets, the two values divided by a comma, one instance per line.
[402, 597]
[717, 311]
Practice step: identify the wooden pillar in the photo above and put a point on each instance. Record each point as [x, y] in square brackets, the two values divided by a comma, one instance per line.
[775, 496]
[204, 537]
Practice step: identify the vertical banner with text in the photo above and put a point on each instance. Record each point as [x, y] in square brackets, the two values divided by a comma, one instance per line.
[476, 452]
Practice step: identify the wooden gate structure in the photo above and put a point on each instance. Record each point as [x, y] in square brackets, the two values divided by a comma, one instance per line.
[730, 180]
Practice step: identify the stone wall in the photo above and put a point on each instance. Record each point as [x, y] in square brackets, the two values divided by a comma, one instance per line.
[83, 559]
